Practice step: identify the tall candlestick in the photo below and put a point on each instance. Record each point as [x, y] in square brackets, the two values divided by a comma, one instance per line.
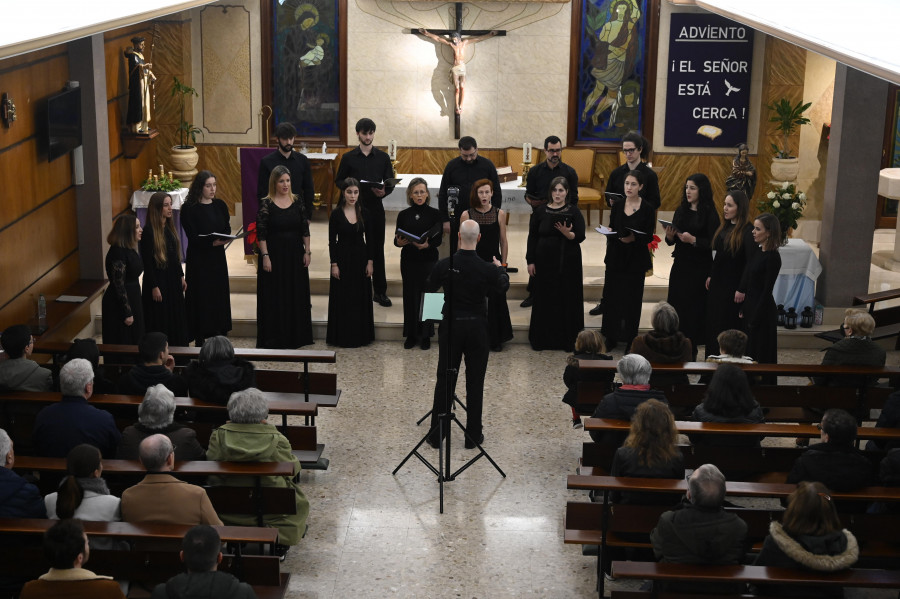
[392, 149]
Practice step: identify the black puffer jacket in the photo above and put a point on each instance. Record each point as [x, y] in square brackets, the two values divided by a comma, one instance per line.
[216, 381]
[19, 498]
[203, 585]
[620, 405]
[137, 380]
[690, 534]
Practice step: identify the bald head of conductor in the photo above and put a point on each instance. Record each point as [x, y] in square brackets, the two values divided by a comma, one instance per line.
[469, 234]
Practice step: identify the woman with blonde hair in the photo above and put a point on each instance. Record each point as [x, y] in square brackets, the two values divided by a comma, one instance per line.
[650, 451]
[856, 348]
[810, 536]
[164, 283]
[123, 311]
[283, 308]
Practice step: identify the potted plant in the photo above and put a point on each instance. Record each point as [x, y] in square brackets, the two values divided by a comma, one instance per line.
[786, 202]
[787, 119]
[184, 155]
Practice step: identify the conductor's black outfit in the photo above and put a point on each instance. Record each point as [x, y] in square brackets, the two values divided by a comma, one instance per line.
[466, 288]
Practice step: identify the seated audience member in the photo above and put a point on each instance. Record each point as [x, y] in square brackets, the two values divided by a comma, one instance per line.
[247, 437]
[588, 346]
[699, 530]
[18, 497]
[889, 476]
[650, 451]
[856, 348]
[728, 400]
[83, 493]
[810, 537]
[732, 344]
[201, 552]
[155, 366]
[218, 374]
[889, 418]
[17, 372]
[61, 426]
[664, 344]
[88, 350]
[161, 497]
[155, 416]
[834, 462]
[635, 372]
[67, 550]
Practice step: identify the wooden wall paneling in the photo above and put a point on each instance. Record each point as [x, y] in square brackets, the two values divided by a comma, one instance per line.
[115, 120]
[221, 160]
[33, 245]
[120, 185]
[30, 180]
[29, 84]
[21, 308]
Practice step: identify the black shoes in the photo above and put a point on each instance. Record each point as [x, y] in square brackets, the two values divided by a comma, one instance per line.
[425, 343]
[382, 300]
[409, 343]
[527, 302]
[471, 444]
[596, 310]
[281, 551]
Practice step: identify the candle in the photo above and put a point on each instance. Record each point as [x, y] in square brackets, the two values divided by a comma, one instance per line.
[526, 153]
[162, 172]
[155, 179]
[392, 149]
[149, 174]
[171, 178]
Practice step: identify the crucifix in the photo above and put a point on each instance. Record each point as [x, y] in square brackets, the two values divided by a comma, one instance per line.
[458, 44]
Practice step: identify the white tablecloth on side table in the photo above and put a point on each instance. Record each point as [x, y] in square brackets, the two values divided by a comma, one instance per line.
[513, 195]
[140, 199]
[796, 283]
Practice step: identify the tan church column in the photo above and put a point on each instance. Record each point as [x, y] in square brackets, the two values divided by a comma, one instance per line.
[851, 185]
[87, 65]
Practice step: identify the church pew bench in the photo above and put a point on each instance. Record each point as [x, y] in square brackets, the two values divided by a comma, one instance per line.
[17, 413]
[765, 429]
[149, 566]
[750, 464]
[854, 577]
[887, 320]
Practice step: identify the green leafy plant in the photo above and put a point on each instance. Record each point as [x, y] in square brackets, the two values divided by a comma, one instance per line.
[185, 129]
[786, 202]
[163, 184]
[787, 118]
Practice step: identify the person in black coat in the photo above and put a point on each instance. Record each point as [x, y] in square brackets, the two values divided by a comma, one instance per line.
[834, 462]
[757, 283]
[155, 366]
[217, 374]
[18, 497]
[588, 346]
[889, 418]
[621, 404]
[728, 400]
[856, 348]
[123, 310]
[156, 416]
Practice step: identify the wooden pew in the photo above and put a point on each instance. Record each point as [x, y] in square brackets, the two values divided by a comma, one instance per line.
[887, 320]
[855, 577]
[150, 566]
[765, 429]
[750, 464]
[19, 423]
[789, 403]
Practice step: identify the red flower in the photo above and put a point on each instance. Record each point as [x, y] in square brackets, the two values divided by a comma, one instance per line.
[654, 243]
[251, 233]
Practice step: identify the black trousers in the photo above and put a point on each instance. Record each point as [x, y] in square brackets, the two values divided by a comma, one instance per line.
[469, 338]
[375, 237]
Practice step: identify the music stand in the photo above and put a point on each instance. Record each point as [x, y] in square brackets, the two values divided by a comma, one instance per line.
[443, 471]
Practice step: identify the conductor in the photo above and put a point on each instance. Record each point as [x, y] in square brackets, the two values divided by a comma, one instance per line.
[467, 281]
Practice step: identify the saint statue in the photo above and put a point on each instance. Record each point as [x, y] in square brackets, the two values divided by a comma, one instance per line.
[743, 173]
[458, 44]
[140, 79]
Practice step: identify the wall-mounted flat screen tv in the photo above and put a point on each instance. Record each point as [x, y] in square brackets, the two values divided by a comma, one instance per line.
[63, 123]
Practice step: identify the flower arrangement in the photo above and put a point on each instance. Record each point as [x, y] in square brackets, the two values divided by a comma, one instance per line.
[786, 202]
[653, 244]
[160, 182]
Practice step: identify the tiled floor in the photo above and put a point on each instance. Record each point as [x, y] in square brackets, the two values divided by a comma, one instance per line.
[374, 534]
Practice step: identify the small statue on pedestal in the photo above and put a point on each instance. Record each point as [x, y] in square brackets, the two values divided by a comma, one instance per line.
[743, 173]
[140, 79]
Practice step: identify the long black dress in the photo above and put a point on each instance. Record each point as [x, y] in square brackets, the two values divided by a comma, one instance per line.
[626, 268]
[122, 297]
[283, 308]
[499, 324]
[208, 296]
[557, 315]
[416, 264]
[169, 315]
[351, 322]
[758, 308]
[687, 279]
[724, 279]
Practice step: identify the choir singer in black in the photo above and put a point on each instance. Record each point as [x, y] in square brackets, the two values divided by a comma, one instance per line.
[467, 280]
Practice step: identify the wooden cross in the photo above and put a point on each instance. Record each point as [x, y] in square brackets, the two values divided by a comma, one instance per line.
[458, 44]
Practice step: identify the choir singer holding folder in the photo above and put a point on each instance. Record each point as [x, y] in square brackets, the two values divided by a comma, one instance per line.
[627, 261]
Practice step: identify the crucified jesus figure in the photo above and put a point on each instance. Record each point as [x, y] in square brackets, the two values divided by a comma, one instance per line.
[458, 44]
